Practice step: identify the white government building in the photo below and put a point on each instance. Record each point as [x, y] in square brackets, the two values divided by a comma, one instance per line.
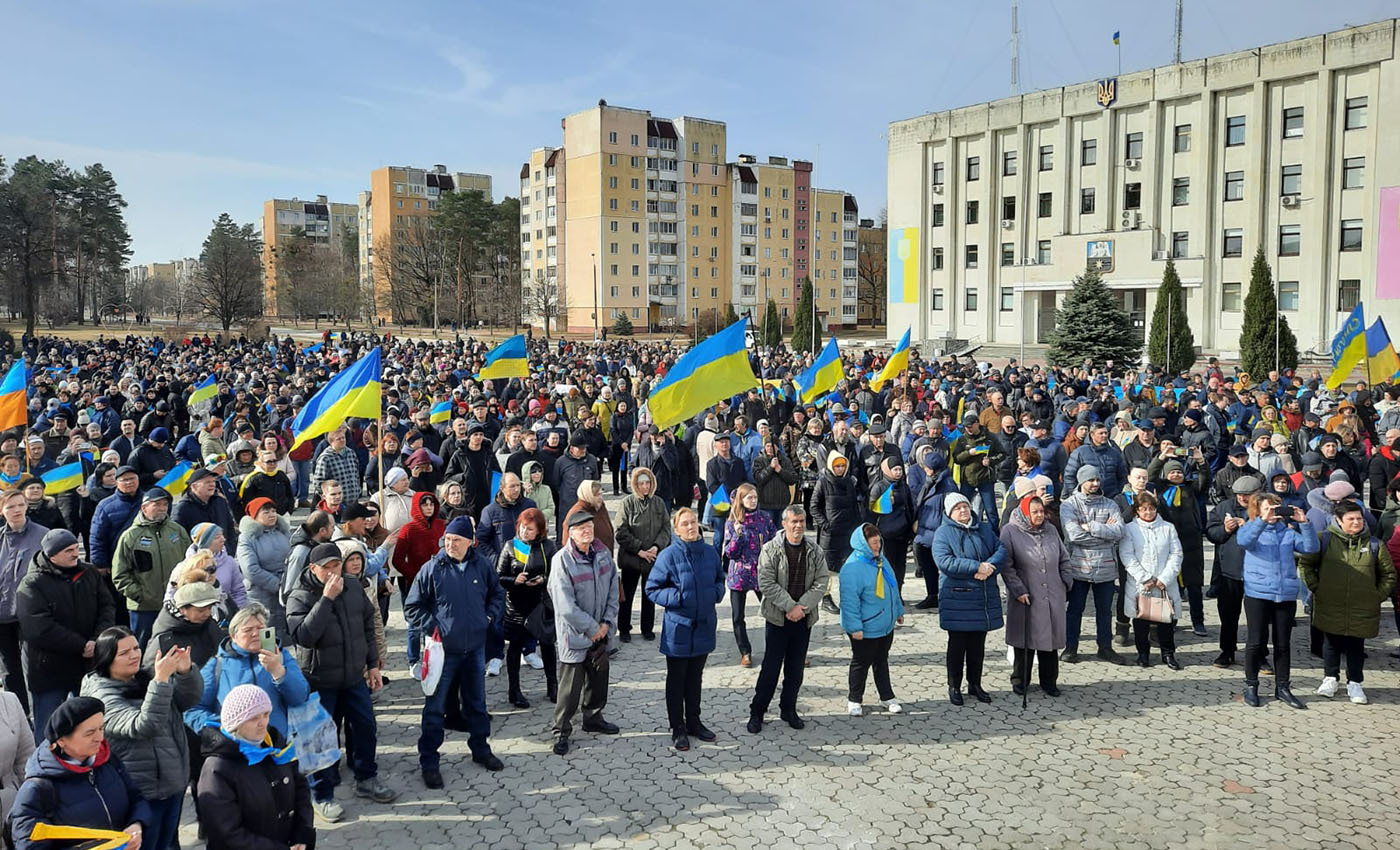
[994, 208]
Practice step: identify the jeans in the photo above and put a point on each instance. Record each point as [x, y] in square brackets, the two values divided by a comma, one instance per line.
[896, 551]
[1262, 615]
[1166, 636]
[865, 655]
[1334, 647]
[923, 556]
[984, 495]
[354, 705]
[11, 656]
[683, 682]
[631, 580]
[1103, 613]
[737, 604]
[141, 624]
[968, 648]
[302, 468]
[785, 651]
[467, 672]
[163, 830]
[45, 703]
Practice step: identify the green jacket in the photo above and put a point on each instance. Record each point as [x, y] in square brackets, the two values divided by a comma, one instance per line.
[147, 553]
[972, 471]
[1349, 577]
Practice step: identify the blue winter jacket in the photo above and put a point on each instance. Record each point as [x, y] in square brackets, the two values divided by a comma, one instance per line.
[497, 525]
[1107, 459]
[928, 504]
[861, 609]
[1269, 569]
[461, 600]
[688, 581]
[232, 666]
[102, 796]
[110, 518]
[964, 603]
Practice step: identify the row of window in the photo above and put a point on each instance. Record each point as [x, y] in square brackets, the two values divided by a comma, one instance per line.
[1231, 297]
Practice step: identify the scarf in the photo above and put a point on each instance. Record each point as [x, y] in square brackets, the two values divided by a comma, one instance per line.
[255, 753]
[9, 479]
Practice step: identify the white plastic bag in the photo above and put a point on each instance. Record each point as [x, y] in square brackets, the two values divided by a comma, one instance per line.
[431, 663]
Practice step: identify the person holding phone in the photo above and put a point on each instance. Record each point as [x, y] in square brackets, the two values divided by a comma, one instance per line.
[250, 655]
[523, 569]
[1270, 539]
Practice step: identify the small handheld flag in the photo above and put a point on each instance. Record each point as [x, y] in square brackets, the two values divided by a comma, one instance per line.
[884, 504]
[177, 479]
[205, 391]
[522, 551]
[719, 500]
[63, 478]
[441, 412]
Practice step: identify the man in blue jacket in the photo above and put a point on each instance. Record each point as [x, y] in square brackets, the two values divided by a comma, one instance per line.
[457, 596]
[112, 516]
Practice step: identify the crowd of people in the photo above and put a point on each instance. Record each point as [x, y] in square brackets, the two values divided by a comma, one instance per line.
[228, 638]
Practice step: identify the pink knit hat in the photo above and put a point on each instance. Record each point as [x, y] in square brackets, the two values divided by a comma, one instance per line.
[243, 703]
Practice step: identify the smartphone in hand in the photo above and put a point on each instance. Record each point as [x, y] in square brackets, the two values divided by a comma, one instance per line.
[268, 640]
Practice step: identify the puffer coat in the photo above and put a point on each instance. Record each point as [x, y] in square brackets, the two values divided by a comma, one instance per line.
[242, 806]
[966, 604]
[688, 581]
[1269, 570]
[1093, 526]
[1349, 576]
[335, 636]
[143, 720]
[642, 524]
[262, 556]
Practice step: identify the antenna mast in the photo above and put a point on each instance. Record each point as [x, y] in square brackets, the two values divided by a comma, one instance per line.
[1178, 30]
[1015, 51]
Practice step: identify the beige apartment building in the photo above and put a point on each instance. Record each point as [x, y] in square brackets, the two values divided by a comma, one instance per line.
[994, 208]
[323, 223]
[645, 216]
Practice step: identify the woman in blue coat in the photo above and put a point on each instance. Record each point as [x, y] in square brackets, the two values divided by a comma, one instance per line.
[688, 582]
[970, 557]
[928, 512]
[870, 608]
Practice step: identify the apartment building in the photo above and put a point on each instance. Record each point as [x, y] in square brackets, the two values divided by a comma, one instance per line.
[994, 208]
[321, 222]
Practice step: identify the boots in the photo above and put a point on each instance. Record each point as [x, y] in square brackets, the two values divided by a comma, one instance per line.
[516, 698]
[1285, 696]
[1120, 634]
[1251, 694]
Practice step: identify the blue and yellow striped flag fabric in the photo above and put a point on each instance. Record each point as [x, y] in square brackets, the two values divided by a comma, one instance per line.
[1381, 362]
[716, 368]
[441, 412]
[719, 500]
[1348, 347]
[354, 392]
[822, 375]
[898, 362]
[507, 360]
[522, 551]
[205, 391]
[14, 399]
[177, 479]
[884, 504]
[63, 478]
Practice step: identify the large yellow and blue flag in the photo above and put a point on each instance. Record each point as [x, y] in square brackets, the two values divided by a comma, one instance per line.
[14, 401]
[441, 412]
[898, 362]
[177, 479]
[1381, 362]
[507, 360]
[205, 391]
[354, 392]
[884, 504]
[63, 478]
[716, 368]
[1348, 347]
[719, 500]
[822, 375]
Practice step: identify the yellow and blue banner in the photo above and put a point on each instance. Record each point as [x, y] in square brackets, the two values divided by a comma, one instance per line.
[62, 479]
[1348, 347]
[354, 392]
[441, 412]
[1116, 33]
[177, 479]
[716, 368]
[1381, 361]
[898, 362]
[507, 360]
[884, 504]
[719, 500]
[822, 375]
[522, 551]
[205, 391]
[106, 839]
[14, 401]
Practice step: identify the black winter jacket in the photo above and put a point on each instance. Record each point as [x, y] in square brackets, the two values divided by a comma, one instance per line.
[59, 612]
[836, 508]
[335, 637]
[242, 806]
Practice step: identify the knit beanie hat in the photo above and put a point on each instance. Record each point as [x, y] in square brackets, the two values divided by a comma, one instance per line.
[56, 541]
[243, 703]
[461, 526]
[952, 500]
[204, 533]
[395, 475]
[255, 506]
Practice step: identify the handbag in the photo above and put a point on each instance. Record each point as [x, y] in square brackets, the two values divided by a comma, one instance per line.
[1155, 606]
[539, 623]
[312, 731]
[432, 661]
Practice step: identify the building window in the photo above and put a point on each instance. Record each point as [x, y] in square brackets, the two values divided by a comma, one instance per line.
[1354, 172]
[1181, 141]
[971, 256]
[974, 168]
[1351, 234]
[1234, 131]
[612, 182]
[1181, 191]
[1180, 244]
[1356, 115]
[1008, 208]
[938, 174]
[1291, 182]
[612, 226]
[1132, 196]
[1132, 148]
[1293, 122]
[1008, 164]
[1047, 157]
[1086, 201]
[1042, 252]
[1234, 185]
[936, 219]
[935, 299]
[1007, 297]
[612, 138]
[612, 290]
[936, 259]
[973, 208]
[1288, 295]
[1234, 242]
[1008, 254]
[1089, 152]
[1043, 204]
[1290, 237]
[1348, 295]
[1230, 297]
[970, 299]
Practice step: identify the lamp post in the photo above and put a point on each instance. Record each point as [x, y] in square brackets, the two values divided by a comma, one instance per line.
[597, 335]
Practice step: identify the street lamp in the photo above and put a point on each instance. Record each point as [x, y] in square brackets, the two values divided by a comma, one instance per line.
[597, 335]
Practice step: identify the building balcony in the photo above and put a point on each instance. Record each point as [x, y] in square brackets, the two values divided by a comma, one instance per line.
[661, 293]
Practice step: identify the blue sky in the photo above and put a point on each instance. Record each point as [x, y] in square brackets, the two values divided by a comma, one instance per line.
[200, 107]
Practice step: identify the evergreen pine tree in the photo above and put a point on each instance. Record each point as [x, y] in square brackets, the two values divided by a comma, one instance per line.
[730, 317]
[805, 338]
[1170, 315]
[772, 326]
[622, 326]
[1261, 318]
[1092, 325]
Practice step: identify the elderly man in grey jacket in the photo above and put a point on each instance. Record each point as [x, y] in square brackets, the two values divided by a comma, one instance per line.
[792, 577]
[583, 588]
[1092, 525]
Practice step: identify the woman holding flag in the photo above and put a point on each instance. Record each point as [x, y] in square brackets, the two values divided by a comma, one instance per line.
[747, 529]
[892, 505]
[523, 567]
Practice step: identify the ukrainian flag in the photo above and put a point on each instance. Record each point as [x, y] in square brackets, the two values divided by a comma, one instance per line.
[1348, 347]
[1381, 361]
[354, 392]
[177, 479]
[716, 368]
[205, 391]
[1115, 36]
[898, 362]
[14, 401]
[884, 504]
[822, 375]
[522, 551]
[441, 412]
[495, 485]
[62, 479]
[719, 500]
[507, 360]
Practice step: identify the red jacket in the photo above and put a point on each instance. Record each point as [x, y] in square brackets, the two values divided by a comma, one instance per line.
[418, 538]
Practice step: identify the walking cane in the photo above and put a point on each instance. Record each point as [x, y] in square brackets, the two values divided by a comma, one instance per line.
[1026, 676]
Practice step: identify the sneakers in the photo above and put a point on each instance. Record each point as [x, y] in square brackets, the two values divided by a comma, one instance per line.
[1355, 694]
[1328, 688]
[328, 810]
[375, 790]
[493, 667]
[534, 660]
[854, 709]
[892, 706]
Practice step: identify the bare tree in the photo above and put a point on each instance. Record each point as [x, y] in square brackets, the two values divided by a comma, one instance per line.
[229, 286]
[413, 266]
[871, 271]
[540, 300]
